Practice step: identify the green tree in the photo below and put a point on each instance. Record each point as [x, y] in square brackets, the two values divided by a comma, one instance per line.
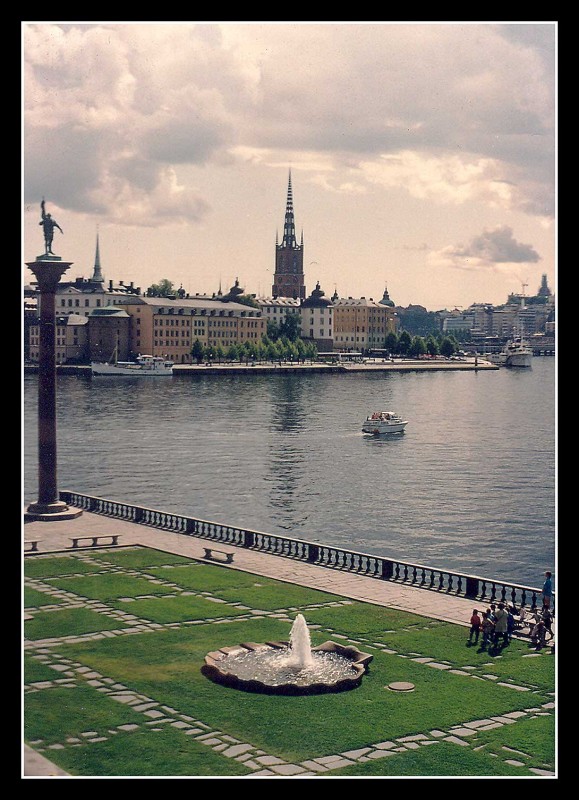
[260, 351]
[247, 300]
[311, 351]
[220, 353]
[272, 330]
[292, 351]
[197, 351]
[404, 343]
[301, 348]
[232, 352]
[454, 341]
[417, 347]
[162, 289]
[291, 326]
[391, 342]
[432, 347]
[447, 347]
[249, 350]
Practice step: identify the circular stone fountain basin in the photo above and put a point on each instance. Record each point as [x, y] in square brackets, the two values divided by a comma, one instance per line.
[272, 668]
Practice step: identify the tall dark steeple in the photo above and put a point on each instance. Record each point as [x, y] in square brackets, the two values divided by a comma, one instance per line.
[97, 276]
[544, 290]
[288, 280]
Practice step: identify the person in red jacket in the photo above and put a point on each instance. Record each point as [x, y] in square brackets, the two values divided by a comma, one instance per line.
[475, 626]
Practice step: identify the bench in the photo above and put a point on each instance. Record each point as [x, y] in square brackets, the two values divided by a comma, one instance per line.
[209, 553]
[33, 546]
[94, 540]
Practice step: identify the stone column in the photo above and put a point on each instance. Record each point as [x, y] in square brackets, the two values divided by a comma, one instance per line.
[48, 270]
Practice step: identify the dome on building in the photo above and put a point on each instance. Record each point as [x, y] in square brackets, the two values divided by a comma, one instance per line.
[234, 292]
[316, 299]
[386, 301]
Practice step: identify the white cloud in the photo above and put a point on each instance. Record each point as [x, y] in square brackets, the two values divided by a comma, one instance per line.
[445, 178]
[450, 110]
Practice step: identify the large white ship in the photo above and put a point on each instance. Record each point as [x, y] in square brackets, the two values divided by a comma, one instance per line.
[517, 353]
[154, 366]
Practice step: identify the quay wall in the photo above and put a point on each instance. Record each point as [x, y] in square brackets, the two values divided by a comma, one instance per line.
[194, 370]
[474, 587]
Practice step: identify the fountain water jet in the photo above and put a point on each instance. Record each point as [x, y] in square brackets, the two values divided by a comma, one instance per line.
[292, 667]
[300, 644]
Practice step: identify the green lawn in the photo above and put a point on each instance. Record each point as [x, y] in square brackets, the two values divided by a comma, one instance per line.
[68, 622]
[139, 704]
[178, 609]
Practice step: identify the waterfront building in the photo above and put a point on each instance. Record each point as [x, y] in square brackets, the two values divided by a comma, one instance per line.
[276, 309]
[477, 319]
[288, 279]
[458, 321]
[71, 340]
[109, 334]
[159, 326]
[168, 326]
[529, 319]
[30, 319]
[361, 324]
[317, 325]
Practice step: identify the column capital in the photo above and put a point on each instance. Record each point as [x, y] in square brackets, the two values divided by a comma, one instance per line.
[48, 271]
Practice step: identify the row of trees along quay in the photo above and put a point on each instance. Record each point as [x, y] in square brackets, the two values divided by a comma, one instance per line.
[283, 343]
[396, 344]
[266, 350]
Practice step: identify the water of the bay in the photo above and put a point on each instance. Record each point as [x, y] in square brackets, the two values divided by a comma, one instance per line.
[470, 485]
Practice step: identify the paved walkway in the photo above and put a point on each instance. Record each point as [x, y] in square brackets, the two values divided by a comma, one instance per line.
[56, 536]
[53, 536]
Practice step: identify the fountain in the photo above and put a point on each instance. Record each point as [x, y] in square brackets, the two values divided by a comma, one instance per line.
[293, 667]
[300, 644]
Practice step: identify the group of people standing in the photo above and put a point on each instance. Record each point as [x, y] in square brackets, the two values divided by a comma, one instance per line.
[498, 623]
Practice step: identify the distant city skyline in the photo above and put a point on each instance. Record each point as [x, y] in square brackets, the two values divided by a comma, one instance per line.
[423, 155]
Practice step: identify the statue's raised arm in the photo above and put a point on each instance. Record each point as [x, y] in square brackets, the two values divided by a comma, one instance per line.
[49, 225]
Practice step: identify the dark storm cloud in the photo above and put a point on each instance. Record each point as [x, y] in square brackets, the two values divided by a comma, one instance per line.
[496, 247]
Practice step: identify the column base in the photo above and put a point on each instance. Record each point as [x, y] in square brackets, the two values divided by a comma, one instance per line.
[50, 512]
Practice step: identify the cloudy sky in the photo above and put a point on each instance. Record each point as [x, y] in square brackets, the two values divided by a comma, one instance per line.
[422, 155]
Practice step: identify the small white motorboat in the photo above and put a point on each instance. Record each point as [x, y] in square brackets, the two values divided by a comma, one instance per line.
[384, 422]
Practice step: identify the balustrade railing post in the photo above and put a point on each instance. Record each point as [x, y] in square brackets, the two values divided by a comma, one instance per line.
[313, 553]
[471, 587]
[387, 570]
[249, 539]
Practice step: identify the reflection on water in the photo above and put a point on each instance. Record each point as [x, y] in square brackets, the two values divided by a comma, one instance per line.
[286, 452]
[470, 485]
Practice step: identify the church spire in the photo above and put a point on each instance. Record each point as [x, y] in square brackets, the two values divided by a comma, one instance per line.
[97, 276]
[289, 228]
[288, 280]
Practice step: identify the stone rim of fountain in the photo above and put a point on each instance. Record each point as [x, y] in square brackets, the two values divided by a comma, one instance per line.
[358, 660]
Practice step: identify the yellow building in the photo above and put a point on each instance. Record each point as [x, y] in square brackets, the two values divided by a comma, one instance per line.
[168, 327]
[360, 324]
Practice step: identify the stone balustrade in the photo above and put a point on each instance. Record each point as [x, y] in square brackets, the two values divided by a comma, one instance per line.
[483, 590]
